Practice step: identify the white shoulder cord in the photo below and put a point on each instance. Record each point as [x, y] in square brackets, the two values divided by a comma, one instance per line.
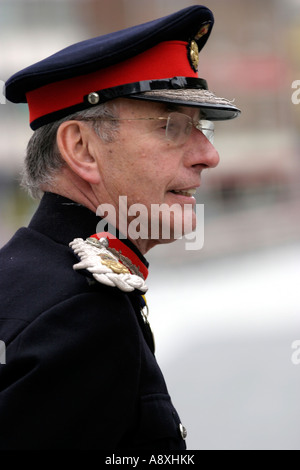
[104, 266]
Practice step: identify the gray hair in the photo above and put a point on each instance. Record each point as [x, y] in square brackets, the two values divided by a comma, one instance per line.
[43, 160]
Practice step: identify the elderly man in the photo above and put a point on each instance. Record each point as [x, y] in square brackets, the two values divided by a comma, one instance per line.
[122, 115]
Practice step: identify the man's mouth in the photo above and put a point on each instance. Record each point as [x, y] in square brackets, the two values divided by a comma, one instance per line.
[185, 192]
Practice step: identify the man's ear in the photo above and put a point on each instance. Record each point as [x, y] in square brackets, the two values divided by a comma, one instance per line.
[76, 143]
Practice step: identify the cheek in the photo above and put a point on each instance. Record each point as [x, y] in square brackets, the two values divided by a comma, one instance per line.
[146, 170]
[139, 170]
[153, 177]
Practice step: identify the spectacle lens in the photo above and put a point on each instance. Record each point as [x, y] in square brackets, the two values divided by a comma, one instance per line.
[207, 128]
[179, 127]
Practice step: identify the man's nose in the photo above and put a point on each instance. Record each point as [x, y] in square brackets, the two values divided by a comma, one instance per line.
[201, 151]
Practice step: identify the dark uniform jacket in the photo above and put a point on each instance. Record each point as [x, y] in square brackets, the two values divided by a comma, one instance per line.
[80, 369]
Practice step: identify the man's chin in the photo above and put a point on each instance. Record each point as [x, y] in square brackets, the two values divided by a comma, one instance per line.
[175, 230]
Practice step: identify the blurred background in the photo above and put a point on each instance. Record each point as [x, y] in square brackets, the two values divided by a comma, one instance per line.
[224, 317]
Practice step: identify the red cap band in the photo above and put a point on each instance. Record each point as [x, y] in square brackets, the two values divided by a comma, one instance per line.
[166, 60]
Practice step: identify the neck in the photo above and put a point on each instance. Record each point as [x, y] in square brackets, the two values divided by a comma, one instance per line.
[69, 185]
[72, 187]
[144, 245]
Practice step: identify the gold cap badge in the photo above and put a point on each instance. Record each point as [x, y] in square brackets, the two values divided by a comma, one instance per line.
[194, 55]
[193, 50]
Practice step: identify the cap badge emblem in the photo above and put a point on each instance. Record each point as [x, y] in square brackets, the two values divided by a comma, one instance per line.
[194, 55]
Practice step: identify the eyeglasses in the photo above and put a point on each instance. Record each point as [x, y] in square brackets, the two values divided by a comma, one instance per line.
[178, 126]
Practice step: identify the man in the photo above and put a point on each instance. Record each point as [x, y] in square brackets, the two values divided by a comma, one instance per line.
[120, 116]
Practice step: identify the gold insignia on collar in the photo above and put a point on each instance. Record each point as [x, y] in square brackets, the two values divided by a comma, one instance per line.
[194, 55]
[114, 265]
[204, 30]
[104, 266]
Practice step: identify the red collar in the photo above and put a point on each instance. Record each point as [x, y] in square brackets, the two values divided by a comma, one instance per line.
[126, 256]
